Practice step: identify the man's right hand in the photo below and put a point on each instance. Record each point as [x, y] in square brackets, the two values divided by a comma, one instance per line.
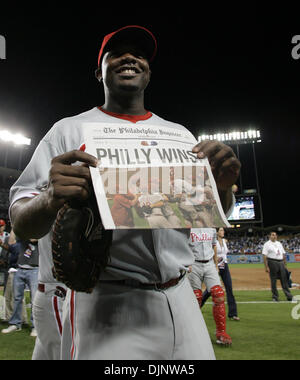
[67, 181]
[267, 270]
[34, 217]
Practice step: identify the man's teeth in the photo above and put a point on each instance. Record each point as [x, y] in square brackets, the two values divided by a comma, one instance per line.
[128, 71]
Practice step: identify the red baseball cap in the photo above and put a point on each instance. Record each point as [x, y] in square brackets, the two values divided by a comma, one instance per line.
[2, 222]
[131, 33]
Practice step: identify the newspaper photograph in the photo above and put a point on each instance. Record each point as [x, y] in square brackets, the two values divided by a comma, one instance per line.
[149, 178]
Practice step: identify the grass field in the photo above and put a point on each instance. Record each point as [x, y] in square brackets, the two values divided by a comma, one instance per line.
[267, 330]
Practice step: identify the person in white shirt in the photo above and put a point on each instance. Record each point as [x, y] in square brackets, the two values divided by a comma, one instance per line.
[275, 265]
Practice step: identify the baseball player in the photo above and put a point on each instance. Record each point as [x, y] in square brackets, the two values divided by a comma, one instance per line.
[169, 212]
[121, 210]
[203, 242]
[185, 189]
[143, 306]
[155, 216]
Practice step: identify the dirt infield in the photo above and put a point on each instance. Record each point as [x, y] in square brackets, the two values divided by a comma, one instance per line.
[255, 278]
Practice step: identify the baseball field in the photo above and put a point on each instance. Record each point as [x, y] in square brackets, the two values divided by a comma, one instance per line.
[267, 330]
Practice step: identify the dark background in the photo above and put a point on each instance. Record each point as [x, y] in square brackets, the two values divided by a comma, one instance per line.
[217, 69]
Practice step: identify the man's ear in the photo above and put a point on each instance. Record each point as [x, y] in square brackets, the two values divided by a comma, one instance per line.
[98, 74]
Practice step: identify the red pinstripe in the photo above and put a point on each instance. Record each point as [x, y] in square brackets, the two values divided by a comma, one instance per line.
[57, 314]
[72, 313]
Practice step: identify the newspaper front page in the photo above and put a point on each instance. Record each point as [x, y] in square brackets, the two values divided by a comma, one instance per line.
[148, 178]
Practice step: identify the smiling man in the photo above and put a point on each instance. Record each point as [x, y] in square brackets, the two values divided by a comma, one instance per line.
[143, 306]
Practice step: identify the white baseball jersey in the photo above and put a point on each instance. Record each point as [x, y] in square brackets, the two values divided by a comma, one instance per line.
[202, 241]
[273, 250]
[144, 255]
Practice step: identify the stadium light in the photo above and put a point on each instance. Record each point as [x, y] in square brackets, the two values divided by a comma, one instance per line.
[237, 138]
[234, 137]
[16, 138]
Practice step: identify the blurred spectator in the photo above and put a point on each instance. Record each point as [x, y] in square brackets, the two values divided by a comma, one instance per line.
[27, 274]
[9, 290]
[4, 236]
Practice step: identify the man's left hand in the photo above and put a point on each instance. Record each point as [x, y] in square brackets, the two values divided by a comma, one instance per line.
[224, 163]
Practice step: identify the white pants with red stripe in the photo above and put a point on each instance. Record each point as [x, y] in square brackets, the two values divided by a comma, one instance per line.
[118, 322]
[47, 314]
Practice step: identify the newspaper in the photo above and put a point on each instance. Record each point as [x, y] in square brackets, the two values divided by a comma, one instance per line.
[148, 178]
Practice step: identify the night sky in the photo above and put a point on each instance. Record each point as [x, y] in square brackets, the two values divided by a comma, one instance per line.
[217, 69]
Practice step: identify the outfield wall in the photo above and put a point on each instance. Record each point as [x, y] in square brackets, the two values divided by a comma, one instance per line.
[256, 259]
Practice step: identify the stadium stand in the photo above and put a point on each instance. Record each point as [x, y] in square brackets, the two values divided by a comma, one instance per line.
[253, 245]
[7, 178]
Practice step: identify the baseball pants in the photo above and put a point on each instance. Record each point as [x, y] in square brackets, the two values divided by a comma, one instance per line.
[158, 221]
[119, 322]
[47, 312]
[204, 273]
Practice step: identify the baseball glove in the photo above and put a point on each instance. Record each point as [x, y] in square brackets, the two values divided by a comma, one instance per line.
[80, 245]
[146, 209]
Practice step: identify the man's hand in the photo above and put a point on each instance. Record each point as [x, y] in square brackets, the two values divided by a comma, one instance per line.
[267, 269]
[224, 163]
[34, 217]
[67, 181]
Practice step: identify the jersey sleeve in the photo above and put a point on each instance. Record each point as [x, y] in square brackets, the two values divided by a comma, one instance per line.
[35, 176]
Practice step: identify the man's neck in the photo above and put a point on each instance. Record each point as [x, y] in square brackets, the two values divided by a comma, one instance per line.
[127, 105]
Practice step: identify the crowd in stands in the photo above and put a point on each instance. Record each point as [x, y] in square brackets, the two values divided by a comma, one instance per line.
[4, 202]
[248, 245]
[292, 244]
